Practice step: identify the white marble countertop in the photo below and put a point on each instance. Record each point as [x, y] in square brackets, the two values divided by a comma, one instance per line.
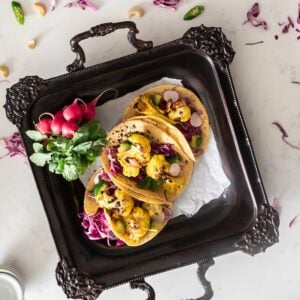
[262, 75]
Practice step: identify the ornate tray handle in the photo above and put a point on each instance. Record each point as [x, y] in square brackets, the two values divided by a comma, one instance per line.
[212, 42]
[264, 232]
[102, 30]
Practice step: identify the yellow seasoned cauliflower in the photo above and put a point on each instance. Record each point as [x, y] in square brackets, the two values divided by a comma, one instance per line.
[173, 184]
[179, 111]
[146, 106]
[137, 223]
[124, 203]
[134, 154]
[152, 209]
[157, 166]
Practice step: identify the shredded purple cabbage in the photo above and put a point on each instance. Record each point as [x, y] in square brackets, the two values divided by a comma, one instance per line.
[167, 212]
[14, 145]
[284, 135]
[293, 221]
[252, 15]
[287, 26]
[4, 81]
[296, 82]
[141, 176]
[188, 130]
[163, 105]
[82, 4]
[96, 228]
[52, 5]
[166, 3]
[275, 204]
[298, 17]
[165, 149]
[114, 165]
[255, 43]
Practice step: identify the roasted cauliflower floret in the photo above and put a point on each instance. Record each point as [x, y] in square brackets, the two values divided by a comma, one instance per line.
[152, 209]
[179, 111]
[173, 184]
[134, 154]
[124, 203]
[105, 201]
[137, 223]
[128, 169]
[157, 166]
[145, 105]
[139, 143]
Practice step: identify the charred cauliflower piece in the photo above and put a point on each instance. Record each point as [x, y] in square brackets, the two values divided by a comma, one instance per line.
[134, 154]
[173, 184]
[179, 111]
[137, 223]
[157, 166]
[152, 209]
[124, 203]
[145, 105]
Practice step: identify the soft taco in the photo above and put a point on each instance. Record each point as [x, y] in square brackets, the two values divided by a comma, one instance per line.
[133, 221]
[146, 162]
[179, 112]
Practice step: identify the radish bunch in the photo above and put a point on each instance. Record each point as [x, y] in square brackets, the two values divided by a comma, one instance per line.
[67, 120]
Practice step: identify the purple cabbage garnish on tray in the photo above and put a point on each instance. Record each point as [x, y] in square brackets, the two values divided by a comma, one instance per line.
[82, 4]
[284, 135]
[14, 145]
[166, 3]
[252, 15]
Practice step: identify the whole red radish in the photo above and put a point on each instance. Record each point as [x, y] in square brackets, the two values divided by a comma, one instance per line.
[57, 122]
[90, 111]
[44, 125]
[73, 112]
[69, 128]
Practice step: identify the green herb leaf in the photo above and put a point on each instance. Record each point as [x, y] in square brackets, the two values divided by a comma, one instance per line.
[35, 135]
[70, 172]
[81, 135]
[173, 159]
[83, 147]
[37, 147]
[194, 12]
[40, 159]
[149, 183]
[100, 186]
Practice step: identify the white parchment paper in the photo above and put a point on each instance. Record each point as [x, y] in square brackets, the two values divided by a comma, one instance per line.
[208, 180]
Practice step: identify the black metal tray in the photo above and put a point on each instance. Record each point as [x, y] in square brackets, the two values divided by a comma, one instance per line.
[241, 219]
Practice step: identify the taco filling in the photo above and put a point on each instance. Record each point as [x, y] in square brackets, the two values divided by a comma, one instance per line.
[131, 220]
[146, 161]
[150, 165]
[176, 106]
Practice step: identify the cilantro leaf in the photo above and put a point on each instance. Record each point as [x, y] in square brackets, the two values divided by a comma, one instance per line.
[99, 187]
[83, 147]
[149, 183]
[35, 135]
[70, 172]
[81, 135]
[40, 159]
[37, 147]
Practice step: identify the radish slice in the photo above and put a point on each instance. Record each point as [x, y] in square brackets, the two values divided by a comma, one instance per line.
[175, 169]
[97, 178]
[133, 162]
[171, 95]
[196, 120]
